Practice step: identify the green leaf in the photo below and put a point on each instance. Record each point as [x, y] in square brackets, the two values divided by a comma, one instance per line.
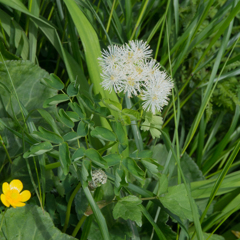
[116, 106]
[38, 149]
[65, 119]
[93, 155]
[71, 136]
[112, 159]
[133, 114]
[77, 109]
[82, 129]
[120, 181]
[128, 208]
[64, 157]
[72, 90]
[25, 76]
[49, 119]
[134, 169]
[46, 135]
[73, 116]
[177, 201]
[80, 153]
[152, 123]
[55, 100]
[103, 133]
[53, 81]
[36, 224]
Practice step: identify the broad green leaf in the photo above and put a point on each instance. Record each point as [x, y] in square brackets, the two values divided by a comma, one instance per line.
[103, 133]
[36, 224]
[128, 208]
[46, 135]
[64, 157]
[176, 200]
[38, 149]
[55, 100]
[53, 81]
[93, 155]
[26, 79]
[65, 119]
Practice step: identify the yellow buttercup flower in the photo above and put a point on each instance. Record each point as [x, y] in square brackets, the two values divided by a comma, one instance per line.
[12, 194]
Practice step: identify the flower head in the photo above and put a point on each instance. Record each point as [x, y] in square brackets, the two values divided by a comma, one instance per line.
[99, 178]
[12, 194]
[131, 70]
[157, 89]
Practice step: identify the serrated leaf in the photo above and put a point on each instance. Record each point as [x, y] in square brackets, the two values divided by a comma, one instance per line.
[127, 208]
[93, 155]
[53, 81]
[82, 129]
[36, 224]
[77, 109]
[72, 90]
[64, 157]
[38, 149]
[55, 100]
[103, 133]
[177, 201]
[46, 135]
[65, 119]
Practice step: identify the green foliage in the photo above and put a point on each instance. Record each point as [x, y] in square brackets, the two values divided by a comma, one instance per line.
[34, 223]
[162, 175]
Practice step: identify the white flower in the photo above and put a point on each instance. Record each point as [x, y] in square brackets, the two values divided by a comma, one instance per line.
[130, 69]
[138, 50]
[155, 95]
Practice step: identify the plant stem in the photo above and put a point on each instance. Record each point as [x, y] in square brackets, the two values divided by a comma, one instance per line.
[70, 205]
[1, 140]
[81, 221]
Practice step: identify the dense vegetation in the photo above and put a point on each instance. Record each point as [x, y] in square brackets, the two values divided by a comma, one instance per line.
[97, 164]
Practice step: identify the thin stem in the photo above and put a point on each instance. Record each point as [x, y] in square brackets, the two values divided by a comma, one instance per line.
[5, 149]
[139, 19]
[81, 221]
[69, 206]
[2, 220]
[110, 17]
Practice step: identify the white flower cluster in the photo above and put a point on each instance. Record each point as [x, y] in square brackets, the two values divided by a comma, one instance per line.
[131, 69]
[99, 178]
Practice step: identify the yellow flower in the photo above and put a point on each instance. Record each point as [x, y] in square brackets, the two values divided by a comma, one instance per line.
[12, 196]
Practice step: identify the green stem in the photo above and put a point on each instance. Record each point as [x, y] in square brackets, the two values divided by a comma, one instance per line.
[139, 19]
[110, 17]
[2, 220]
[69, 206]
[81, 221]
[1, 140]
